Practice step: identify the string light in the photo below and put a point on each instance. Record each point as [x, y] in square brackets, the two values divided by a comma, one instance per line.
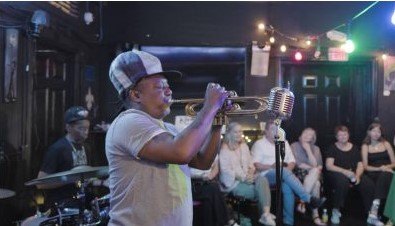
[308, 41]
[283, 48]
[348, 46]
[384, 56]
[261, 26]
[298, 56]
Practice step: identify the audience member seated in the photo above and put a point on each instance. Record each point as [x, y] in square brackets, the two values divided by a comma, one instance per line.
[205, 189]
[308, 168]
[237, 173]
[263, 152]
[378, 160]
[345, 171]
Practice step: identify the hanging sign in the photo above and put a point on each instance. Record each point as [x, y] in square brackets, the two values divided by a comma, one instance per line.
[337, 54]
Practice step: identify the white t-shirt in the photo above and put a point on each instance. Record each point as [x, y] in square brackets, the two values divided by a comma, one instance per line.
[264, 152]
[143, 192]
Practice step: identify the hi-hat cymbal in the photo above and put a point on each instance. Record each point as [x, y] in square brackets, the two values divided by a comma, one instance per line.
[73, 175]
[5, 193]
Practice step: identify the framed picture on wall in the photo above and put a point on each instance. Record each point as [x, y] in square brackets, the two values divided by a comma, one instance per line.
[10, 65]
[389, 74]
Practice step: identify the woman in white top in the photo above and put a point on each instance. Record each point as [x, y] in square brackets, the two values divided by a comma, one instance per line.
[237, 173]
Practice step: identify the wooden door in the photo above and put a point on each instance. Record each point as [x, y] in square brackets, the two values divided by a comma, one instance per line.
[329, 94]
[52, 92]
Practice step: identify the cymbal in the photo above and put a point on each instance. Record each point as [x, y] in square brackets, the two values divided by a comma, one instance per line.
[5, 193]
[73, 175]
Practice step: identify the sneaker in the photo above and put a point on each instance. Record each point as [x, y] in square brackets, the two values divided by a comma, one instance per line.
[232, 223]
[373, 220]
[316, 202]
[335, 218]
[267, 219]
[317, 221]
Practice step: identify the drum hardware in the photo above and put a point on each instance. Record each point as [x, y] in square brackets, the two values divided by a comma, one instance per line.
[101, 208]
[63, 216]
[68, 216]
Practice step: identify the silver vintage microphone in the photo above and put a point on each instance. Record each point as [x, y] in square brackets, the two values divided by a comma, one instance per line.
[281, 101]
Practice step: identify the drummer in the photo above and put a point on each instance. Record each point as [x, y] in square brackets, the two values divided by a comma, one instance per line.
[66, 153]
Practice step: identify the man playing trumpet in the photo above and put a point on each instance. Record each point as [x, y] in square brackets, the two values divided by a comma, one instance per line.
[149, 159]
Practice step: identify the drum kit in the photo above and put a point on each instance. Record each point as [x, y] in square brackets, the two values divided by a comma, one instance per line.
[96, 213]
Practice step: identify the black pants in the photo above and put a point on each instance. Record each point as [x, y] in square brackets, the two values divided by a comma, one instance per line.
[212, 203]
[382, 182]
[340, 185]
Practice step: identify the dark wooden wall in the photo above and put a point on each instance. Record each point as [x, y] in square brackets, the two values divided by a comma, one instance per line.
[65, 33]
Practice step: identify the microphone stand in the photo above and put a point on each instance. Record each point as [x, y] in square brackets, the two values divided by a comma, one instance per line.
[280, 152]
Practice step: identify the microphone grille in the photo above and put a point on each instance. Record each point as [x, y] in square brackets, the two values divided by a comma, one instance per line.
[281, 102]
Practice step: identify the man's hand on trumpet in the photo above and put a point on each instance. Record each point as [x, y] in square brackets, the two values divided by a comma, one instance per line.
[215, 96]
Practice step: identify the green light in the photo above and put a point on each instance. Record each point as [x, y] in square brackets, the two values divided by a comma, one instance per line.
[393, 18]
[349, 46]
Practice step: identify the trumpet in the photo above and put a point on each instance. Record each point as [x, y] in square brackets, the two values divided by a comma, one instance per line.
[231, 106]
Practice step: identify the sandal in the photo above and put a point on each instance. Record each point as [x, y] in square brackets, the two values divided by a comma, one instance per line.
[301, 208]
[317, 221]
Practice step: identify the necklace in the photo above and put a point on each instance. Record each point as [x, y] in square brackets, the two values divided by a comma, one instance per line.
[376, 147]
[79, 155]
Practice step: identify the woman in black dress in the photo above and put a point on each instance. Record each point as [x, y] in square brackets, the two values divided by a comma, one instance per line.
[378, 160]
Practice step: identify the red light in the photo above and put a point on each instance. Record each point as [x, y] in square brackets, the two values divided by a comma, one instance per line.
[298, 56]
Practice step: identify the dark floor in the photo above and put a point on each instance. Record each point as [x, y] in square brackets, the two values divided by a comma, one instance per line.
[352, 214]
[348, 219]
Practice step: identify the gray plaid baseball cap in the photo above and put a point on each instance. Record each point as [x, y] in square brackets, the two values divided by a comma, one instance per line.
[129, 67]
